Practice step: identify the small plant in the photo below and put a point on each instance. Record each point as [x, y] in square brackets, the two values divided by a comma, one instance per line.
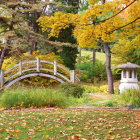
[91, 89]
[104, 88]
[72, 89]
[109, 104]
[132, 97]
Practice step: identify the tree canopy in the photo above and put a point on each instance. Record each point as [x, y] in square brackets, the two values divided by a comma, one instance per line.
[100, 21]
[106, 21]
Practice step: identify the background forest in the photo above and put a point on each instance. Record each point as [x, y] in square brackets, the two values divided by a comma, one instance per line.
[58, 29]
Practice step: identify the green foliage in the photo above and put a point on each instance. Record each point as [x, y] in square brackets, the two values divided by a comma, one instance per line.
[69, 55]
[131, 97]
[72, 89]
[90, 71]
[134, 55]
[33, 98]
[110, 103]
[116, 73]
[84, 59]
[84, 6]
[87, 71]
[73, 5]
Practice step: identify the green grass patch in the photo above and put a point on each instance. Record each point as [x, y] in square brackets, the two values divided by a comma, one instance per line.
[43, 97]
[69, 124]
[131, 97]
[25, 97]
[99, 55]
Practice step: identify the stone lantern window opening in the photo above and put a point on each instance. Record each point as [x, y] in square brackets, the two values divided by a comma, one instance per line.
[124, 74]
[130, 73]
[135, 74]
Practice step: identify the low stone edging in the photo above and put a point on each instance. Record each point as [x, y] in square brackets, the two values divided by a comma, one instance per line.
[73, 108]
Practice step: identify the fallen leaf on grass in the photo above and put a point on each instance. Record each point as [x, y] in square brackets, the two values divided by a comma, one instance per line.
[2, 130]
[75, 137]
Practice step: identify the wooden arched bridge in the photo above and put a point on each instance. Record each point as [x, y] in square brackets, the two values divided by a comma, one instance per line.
[26, 69]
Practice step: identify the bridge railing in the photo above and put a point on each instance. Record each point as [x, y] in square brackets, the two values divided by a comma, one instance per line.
[37, 65]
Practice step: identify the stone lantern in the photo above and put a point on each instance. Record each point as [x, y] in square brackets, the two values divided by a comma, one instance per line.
[128, 76]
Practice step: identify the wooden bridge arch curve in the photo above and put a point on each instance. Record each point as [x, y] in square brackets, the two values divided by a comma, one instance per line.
[36, 68]
[9, 84]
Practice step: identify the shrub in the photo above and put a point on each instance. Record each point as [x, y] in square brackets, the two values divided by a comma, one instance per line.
[33, 98]
[72, 89]
[116, 73]
[69, 55]
[90, 71]
[131, 97]
[87, 72]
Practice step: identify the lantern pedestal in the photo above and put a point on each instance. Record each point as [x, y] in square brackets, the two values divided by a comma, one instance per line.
[126, 86]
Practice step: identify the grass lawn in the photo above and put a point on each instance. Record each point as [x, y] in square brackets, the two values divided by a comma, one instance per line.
[69, 124]
[99, 55]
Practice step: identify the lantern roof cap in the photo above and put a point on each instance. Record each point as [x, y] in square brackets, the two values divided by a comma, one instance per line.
[128, 66]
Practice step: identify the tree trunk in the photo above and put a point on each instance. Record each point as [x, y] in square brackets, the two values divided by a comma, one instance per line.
[32, 47]
[80, 53]
[108, 67]
[94, 56]
[2, 56]
[108, 64]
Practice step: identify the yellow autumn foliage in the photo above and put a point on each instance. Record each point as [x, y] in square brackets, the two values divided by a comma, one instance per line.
[122, 49]
[57, 22]
[11, 61]
[88, 28]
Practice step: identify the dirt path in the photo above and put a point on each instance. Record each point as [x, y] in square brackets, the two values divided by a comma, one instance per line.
[99, 96]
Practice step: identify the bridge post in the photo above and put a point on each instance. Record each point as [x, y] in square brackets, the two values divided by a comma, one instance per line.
[38, 65]
[55, 68]
[2, 78]
[20, 67]
[72, 76]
